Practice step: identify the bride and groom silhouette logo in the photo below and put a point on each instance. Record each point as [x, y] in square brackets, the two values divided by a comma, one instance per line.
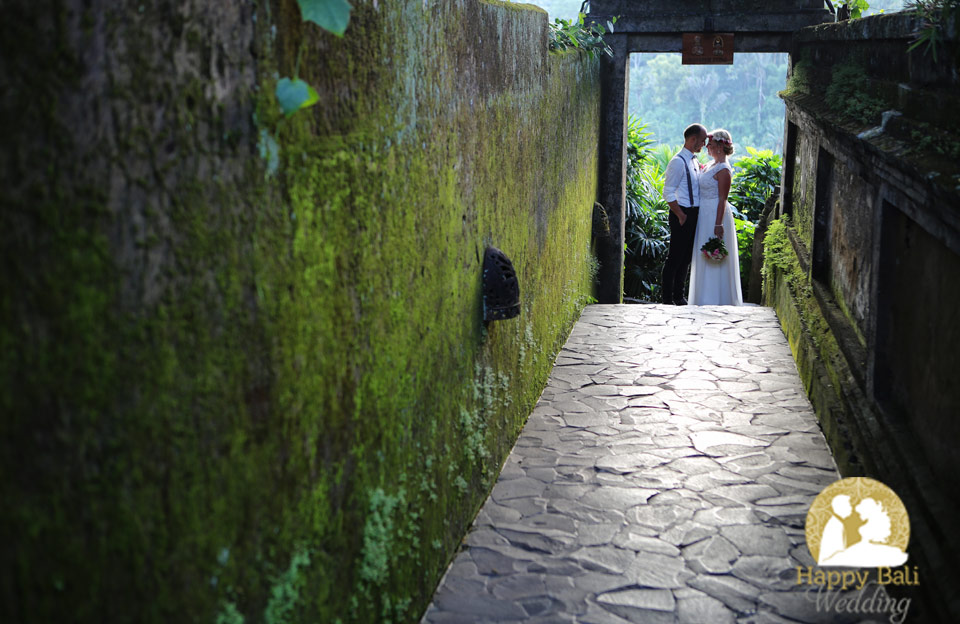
[858, 522]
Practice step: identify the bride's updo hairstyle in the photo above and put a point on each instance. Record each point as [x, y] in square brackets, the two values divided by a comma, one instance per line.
[722, 137]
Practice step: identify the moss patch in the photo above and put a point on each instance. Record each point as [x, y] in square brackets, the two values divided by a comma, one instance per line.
[800, 81]
[820, 362]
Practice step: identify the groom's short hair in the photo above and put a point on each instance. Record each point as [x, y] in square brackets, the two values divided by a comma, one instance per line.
[694, 129]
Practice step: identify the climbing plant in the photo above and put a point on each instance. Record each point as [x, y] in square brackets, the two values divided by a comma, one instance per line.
[927, 138]
[332, 15]
[294, 94]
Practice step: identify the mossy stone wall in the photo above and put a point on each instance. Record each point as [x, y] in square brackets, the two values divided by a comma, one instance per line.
[864, 272]
[246, 377]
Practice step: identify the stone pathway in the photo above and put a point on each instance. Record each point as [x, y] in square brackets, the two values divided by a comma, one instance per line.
[664, 476]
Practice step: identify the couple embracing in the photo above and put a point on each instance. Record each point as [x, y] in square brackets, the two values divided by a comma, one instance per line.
[700, 218]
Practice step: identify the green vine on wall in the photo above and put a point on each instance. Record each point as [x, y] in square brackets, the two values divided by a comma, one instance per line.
[331, 15]
[294, 95]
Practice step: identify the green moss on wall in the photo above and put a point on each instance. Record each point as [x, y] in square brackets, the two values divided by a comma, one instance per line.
[800, 80]
[803, 204]
[821, 364]
[247, 374]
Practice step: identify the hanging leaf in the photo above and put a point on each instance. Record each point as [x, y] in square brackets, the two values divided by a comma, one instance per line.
[332, 15]
[294, 95]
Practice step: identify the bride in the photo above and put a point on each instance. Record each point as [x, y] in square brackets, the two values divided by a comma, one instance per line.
[712, 282]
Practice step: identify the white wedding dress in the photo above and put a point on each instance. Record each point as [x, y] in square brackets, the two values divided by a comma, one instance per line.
[714, 283]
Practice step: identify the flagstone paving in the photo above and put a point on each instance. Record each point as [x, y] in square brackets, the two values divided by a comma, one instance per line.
[664, 476]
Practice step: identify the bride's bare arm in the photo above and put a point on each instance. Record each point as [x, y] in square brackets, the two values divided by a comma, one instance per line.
[723, 188]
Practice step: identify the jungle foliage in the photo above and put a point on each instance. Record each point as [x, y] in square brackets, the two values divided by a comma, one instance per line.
[755, 177]
[577, 35]
[646, 229]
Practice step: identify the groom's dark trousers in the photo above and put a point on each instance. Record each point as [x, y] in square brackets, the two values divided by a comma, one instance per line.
[680, 254]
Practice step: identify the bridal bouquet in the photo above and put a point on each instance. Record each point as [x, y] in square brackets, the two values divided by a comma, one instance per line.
[714, 250]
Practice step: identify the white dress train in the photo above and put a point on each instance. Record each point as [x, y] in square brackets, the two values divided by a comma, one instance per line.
[713, 283]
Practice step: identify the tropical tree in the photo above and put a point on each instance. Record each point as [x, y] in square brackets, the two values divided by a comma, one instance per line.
[741, 97]
[704, 89]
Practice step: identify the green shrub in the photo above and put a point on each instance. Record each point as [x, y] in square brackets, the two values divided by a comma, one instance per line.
[928, 139]
[745, 232]
[754, 178]
[849, 95]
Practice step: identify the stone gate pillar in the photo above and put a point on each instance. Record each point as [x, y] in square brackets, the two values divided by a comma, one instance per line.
[614, 82]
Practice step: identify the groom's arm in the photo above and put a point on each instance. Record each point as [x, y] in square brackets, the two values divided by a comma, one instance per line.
[671, 182]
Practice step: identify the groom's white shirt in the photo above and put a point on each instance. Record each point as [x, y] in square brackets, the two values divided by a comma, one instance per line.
[675, 179]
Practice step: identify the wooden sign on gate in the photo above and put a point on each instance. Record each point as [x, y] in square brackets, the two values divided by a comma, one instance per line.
[707, 49]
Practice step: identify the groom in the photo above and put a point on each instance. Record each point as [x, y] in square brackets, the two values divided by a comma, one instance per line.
[681, 189]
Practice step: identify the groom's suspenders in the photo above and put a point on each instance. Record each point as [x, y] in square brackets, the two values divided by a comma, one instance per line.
[689, 183]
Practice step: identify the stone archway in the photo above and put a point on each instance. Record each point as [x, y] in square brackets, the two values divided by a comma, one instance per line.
[658, 26]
